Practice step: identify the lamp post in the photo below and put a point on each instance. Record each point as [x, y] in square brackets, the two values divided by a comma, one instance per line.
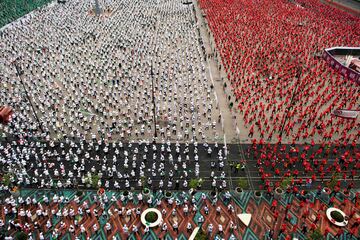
[298, 76]
[19, 73]
[153, 100]
[97, 8]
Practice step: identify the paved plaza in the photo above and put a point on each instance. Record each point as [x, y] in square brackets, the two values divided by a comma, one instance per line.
[106, 209]
[203, 110]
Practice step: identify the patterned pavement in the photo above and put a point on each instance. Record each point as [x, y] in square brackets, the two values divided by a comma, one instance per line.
[263, 216]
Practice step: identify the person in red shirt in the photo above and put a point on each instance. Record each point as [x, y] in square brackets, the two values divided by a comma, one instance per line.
[326, 231]
[295, 190]
[276, 215]
[269, 191]
[274, 205]
[356, 223]
[336, 189]
[295, 173]
[339, 233]
[322, 176]
[282, 228]
[251, 131]
[331, 201]
[305, 214]
[322, 207]
[352, 213]
[350, 186]
[317, 218]
[288, 217]
[287, 208]
[312, 227]
[351, 233]
[318, 192]
[313, 178]
[295, 228]
[356, 198]
[344, 203]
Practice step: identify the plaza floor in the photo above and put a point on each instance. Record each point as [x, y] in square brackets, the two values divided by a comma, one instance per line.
[263, 217]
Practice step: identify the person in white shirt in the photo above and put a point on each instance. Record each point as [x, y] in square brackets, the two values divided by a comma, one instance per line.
[82, 229]
[125, 229]
[221, 230]
[95, 228]
[164, 227]
[108, 227]
[189, 227]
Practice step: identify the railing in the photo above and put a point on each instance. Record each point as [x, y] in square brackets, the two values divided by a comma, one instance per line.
[343, 70]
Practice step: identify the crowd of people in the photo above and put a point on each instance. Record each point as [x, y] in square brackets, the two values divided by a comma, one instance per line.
[306, 166]
[107, 76]
[122, 100]
[87, 215]
[117, 165]
[280, 86]
[284, 93]
[56, 215]
[308, 225]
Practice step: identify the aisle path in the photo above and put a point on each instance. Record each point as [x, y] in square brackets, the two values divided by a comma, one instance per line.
[216, 76]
